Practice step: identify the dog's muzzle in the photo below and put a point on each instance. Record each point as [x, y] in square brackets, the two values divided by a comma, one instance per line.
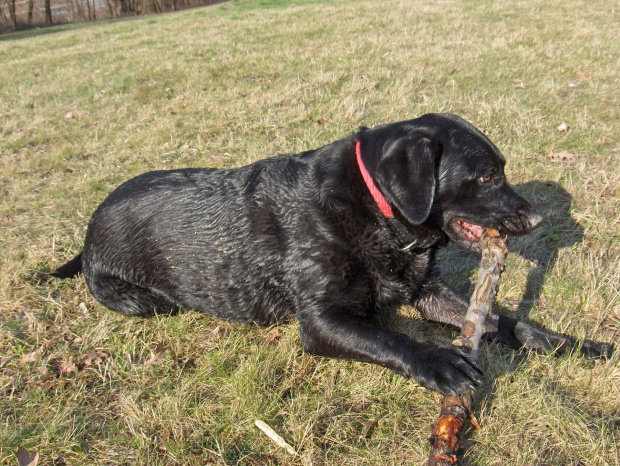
[522, 223]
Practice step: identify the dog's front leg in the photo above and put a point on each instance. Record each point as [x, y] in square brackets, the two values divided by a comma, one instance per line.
[331, 332]
[440, 303]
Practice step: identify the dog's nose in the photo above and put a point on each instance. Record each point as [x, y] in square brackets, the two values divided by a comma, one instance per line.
[534, 220]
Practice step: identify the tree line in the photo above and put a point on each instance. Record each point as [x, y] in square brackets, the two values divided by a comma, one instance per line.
[21, 14]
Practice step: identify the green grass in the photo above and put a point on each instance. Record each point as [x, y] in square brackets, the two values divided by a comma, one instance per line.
[233, 83]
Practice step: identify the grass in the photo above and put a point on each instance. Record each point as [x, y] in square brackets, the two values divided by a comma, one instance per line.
[84, 107]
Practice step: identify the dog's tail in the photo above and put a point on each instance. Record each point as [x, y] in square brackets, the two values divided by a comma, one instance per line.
[70, 269]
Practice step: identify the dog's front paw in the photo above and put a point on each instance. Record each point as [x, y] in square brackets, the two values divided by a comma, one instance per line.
[446, 369]
[595, 350]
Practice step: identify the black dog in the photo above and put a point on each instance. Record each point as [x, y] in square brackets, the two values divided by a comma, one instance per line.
[331, 237]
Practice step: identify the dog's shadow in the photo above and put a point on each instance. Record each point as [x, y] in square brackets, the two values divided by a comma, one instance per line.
[559, 230]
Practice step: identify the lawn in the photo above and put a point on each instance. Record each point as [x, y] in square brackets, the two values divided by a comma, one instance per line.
[84, 107]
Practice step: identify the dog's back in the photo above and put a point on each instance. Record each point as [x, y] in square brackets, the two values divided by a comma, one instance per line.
[205, 239]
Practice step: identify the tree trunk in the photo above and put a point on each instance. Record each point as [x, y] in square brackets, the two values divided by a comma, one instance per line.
[79, 9]
[30, 8]
[12, 13]
[90, 16]
[48, 12]
[110, 8]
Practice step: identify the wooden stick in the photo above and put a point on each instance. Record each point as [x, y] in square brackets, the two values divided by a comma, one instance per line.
[455, 410]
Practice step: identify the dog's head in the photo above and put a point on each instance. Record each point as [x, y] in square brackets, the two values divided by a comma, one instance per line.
[441, 171]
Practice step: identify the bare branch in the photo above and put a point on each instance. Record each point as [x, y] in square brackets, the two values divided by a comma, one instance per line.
[456, 410]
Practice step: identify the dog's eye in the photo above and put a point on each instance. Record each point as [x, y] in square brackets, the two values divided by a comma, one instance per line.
[485, 179]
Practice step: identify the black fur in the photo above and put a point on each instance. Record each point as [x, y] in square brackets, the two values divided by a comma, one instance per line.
[300, 236]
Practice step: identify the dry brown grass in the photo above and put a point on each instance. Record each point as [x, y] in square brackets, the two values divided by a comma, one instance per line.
[230, 84]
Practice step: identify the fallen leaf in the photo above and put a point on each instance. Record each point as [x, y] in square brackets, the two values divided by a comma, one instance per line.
[72, 339]
[359, 406]
[33, 356]
[158, 356]
[563, 156]
[24, 458]
[563, 127]
[3, 361]
[370, 426]
[219, 332]
[67, 367]
[94, 357]
[272, 336]
[582, 74]
[165, 434]
[542, 300]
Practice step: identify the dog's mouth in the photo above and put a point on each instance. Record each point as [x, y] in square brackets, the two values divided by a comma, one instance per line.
[466, 234]
[467, 231]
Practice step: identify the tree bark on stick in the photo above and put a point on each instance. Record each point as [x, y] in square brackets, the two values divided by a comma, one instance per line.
[455, 410]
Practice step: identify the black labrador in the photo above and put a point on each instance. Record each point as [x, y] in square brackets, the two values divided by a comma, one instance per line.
[332, 237]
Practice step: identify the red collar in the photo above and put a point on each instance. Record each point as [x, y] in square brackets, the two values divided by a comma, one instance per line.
[382, 203]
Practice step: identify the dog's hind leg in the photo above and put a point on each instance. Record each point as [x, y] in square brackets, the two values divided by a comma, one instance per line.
[128, 298]
[440, 303]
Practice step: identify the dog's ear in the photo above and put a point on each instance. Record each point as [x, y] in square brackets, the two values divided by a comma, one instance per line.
[406, 175]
